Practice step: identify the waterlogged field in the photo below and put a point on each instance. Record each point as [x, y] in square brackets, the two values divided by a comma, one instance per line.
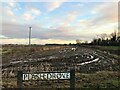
[94, 67]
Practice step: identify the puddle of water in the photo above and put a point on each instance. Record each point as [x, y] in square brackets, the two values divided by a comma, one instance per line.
[95, 60]
[73, 49]
[91, 57]
[15, 62]
[52, 57]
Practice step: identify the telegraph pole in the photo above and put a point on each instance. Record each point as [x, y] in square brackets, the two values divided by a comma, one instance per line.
[30, 28]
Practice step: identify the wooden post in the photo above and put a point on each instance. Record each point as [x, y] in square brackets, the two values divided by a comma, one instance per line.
[30, 35]
[19, 80]
[72, 79]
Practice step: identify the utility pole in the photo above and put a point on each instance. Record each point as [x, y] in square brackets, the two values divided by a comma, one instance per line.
[30, 28]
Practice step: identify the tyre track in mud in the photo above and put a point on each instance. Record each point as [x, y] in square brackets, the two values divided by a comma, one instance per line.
[83, 59]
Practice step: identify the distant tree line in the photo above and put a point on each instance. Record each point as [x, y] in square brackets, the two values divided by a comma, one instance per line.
[112, 39]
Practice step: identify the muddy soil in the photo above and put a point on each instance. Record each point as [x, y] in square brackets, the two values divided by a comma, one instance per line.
[87, 63]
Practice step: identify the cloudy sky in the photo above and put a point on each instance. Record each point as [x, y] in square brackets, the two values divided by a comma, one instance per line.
[56, 22]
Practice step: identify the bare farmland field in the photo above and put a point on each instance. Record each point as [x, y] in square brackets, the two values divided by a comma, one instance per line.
[93, 68]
